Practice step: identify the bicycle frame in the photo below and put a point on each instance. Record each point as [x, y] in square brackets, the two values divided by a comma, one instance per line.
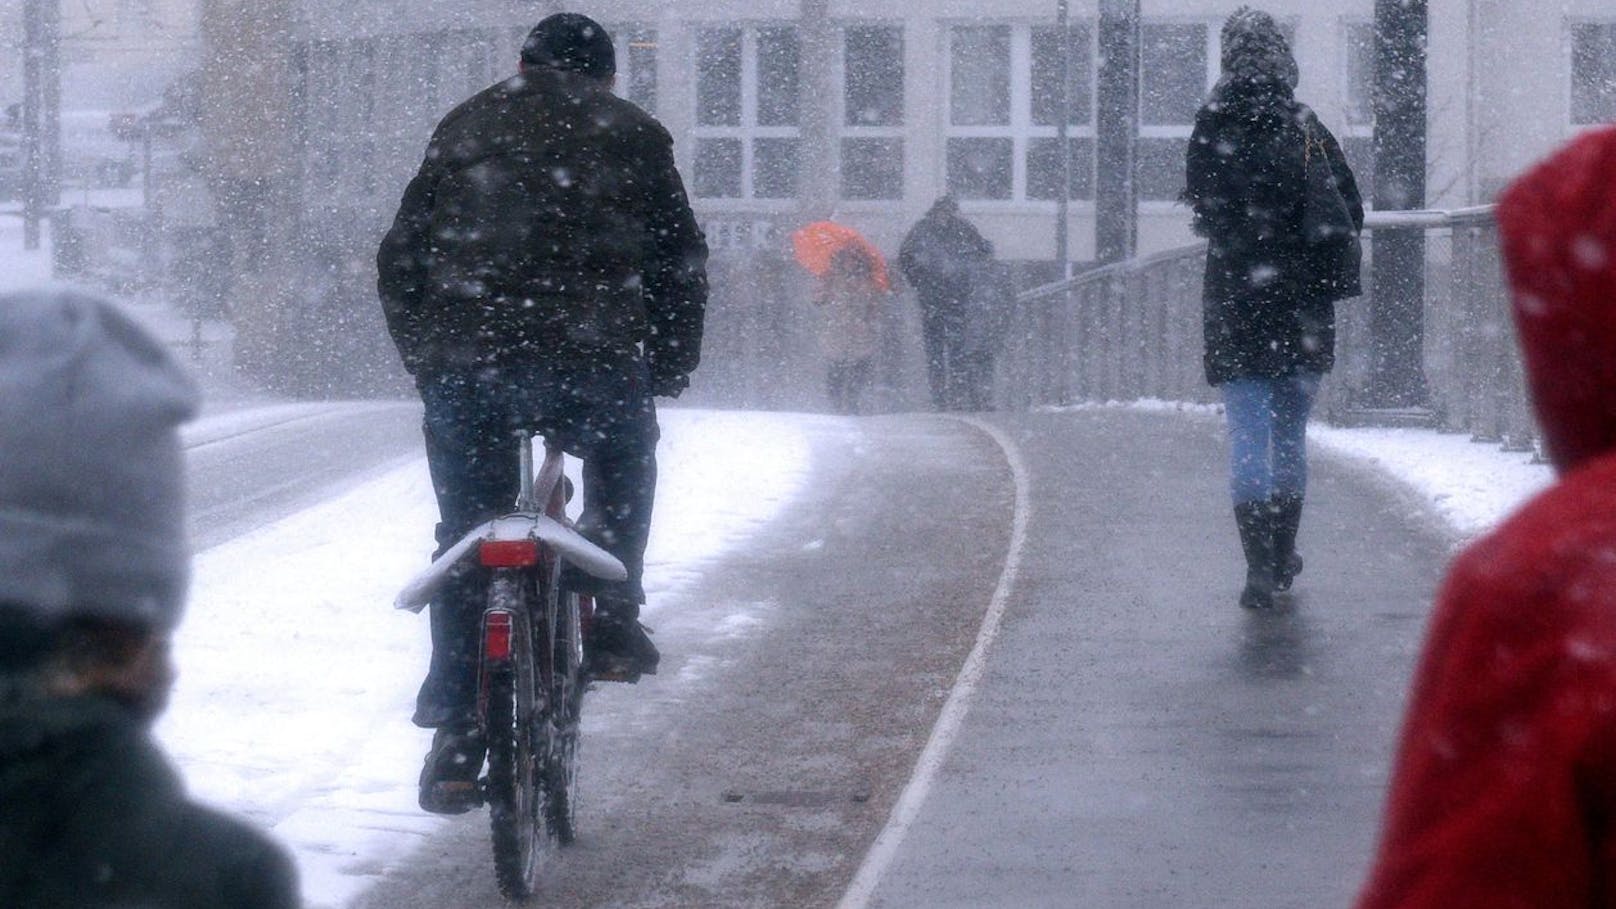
[530, 682]
[527, 522]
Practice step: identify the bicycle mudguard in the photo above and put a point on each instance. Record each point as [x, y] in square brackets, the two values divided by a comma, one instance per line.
[568, 543]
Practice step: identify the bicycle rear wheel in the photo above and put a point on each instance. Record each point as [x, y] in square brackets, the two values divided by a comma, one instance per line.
[517, 743]
[566, 698]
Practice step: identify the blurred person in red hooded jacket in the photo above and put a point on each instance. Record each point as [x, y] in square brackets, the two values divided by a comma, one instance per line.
[1504, 792]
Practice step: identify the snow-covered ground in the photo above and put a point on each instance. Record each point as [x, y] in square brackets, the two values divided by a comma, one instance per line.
[1471, 486]
[297, 678]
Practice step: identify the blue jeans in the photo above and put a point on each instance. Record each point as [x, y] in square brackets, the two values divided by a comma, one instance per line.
[598, 410]
[1268, 435]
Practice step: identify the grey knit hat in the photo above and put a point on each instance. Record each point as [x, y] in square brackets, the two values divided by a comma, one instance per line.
[1255, 49]
[92, 512]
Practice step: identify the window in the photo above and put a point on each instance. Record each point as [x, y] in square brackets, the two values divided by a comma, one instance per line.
[1357, 132]
[1358, 40]
[323, 76]
[747, 95]
[636, 66]
[1044, 165]
[1593, 72]
[872, 112]
[1004, 107]
[1175, 71]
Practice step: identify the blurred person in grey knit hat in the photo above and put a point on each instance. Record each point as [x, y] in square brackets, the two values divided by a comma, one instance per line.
[94, 565]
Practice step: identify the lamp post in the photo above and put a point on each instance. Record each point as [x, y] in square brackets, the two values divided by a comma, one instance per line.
[41, 114]
[1397, 316]
[1116, 209]
[1063, 35]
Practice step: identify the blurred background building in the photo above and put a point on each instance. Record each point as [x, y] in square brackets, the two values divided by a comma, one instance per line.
[315, 115]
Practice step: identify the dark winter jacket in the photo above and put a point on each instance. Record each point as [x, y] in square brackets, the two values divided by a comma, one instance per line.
[92, 817]
[1269, 295]
[547, 212]
[939, 255]
[1504, 790]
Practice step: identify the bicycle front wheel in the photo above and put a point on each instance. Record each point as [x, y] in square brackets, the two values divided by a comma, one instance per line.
[517, 742]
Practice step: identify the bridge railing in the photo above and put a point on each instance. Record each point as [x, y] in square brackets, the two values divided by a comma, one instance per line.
[1132, 330]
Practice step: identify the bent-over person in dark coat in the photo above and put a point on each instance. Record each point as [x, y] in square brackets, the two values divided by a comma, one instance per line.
[1270, 291]
[941, 257]
[544, 272]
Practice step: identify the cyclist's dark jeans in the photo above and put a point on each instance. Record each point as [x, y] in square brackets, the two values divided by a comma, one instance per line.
[599, 412]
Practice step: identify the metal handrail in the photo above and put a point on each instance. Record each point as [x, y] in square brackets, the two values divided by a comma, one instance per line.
[1132, 330]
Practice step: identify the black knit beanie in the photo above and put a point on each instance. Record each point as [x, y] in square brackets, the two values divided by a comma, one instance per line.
[571, 42]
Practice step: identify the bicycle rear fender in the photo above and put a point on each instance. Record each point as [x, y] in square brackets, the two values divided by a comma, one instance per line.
[567, 543]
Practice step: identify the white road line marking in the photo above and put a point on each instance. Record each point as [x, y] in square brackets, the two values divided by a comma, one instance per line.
[885, 848]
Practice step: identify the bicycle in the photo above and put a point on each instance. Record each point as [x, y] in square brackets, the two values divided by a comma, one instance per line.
[531, 679]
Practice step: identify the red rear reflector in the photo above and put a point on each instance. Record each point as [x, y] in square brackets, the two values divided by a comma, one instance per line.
[497, 635]
[508, 553]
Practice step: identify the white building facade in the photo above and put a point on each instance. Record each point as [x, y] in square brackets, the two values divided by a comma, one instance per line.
[788, 110]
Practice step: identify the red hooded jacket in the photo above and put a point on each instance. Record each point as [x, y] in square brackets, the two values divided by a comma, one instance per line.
[1504, 793]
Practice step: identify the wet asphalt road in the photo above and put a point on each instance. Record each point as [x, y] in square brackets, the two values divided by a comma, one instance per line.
[793, 694]
[1136, 739]
[255, 466]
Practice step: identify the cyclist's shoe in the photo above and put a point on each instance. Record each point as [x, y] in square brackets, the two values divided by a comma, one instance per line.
[619, 648]
[449, 779]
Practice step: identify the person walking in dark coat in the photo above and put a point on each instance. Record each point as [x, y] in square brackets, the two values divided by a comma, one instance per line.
[1260, 169]
[940, 258]
[93, 568]
[544, 271]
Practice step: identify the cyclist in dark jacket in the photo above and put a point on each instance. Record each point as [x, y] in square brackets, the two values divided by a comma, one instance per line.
[544, 271]
[1269, 296]
[93, 568]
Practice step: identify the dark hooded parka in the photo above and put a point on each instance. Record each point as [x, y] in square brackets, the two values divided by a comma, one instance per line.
[548, 213]
[1268, 296]
[1504, 790]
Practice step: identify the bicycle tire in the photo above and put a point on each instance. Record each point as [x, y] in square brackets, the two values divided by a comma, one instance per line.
[566, 699]
[515, 787]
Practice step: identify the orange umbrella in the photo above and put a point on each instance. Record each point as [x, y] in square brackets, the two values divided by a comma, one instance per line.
[816, 244]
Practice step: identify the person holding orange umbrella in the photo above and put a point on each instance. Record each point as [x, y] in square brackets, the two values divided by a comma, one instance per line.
[853, 285]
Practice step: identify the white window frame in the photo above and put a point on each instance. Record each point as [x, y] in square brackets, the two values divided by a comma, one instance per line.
[844, 130]
[749, 130]
[1020, 130]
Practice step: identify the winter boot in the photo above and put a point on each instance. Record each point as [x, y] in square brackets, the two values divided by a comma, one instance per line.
[1257, 539]
[1287, 515]
[449, 779]
[619, 648]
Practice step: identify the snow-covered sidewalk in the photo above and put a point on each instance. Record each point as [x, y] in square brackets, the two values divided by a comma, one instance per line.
[1470, 486]
[298, 680]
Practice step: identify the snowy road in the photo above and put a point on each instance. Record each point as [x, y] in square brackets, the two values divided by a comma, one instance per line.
[1133, 739]
[252, 467]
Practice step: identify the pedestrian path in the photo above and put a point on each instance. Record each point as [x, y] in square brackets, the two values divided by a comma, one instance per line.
[1136, 740]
